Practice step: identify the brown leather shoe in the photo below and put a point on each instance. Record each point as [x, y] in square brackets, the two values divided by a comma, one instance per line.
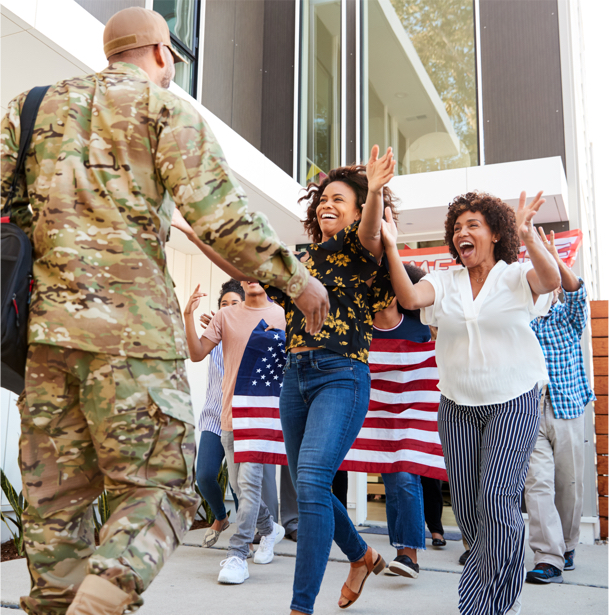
[99, 596]
[376, 566]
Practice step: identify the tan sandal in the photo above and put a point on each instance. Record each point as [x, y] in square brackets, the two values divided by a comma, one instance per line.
[376, 566]
[211, 536]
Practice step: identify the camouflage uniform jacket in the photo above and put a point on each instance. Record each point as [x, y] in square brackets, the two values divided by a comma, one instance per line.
[105, 151]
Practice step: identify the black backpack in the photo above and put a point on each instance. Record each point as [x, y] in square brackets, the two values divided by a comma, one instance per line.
[16, 257]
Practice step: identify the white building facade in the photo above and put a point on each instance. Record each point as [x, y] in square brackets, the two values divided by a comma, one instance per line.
[490, 100]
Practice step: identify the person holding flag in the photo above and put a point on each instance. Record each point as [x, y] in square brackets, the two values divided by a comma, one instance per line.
[400, 437]
[242, 328]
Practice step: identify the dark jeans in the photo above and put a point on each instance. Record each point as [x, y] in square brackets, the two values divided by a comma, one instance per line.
[209, 460]
[405, 520]
[433, 503]
[323, 404]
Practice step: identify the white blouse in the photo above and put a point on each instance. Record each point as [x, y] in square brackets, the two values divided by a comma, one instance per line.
[486, 350]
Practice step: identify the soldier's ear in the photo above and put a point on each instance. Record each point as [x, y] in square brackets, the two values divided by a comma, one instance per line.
[159, 54]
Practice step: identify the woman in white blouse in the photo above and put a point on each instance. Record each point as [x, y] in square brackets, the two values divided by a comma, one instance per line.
[490, 366]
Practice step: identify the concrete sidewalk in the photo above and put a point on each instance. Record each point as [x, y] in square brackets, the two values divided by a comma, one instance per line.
[188, 584]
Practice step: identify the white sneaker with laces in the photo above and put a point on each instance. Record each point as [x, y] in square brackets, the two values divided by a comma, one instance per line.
[265, 553]
[234, 571]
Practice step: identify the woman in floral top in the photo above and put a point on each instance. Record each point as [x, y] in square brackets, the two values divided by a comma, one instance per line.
[326, 388]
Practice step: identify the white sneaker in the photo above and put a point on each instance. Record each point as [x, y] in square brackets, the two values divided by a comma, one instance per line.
[265, 554]
[234, 571]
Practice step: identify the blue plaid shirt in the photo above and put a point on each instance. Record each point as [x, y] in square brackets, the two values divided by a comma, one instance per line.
[559, 332]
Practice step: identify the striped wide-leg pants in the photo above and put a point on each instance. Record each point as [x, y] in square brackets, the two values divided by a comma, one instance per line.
[487, 450]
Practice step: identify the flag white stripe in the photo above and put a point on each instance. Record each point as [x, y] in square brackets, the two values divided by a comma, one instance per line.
[425, 373]
[389, 435]
[254, 401]
[259, 446]
[435, 461]
[412, 414]
[408, 397]
[256, 422]
[399, 358]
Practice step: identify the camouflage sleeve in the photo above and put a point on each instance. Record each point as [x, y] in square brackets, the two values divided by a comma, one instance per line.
[193, 169]
[9, 148]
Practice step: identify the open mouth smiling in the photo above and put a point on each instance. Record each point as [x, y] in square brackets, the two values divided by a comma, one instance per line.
[328, 216]
[466, 248]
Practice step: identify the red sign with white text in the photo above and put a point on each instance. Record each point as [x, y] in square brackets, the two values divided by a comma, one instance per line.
[440, 259]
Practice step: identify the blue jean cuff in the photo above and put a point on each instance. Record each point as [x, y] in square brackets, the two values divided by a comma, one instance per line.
[397, 545]
[360, 556]
[301, 609]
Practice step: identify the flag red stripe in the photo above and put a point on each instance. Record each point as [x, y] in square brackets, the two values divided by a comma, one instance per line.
[397, 408]
[373, 423]
[378, 368]
[390, 386]
[270, 435]
[267, 413]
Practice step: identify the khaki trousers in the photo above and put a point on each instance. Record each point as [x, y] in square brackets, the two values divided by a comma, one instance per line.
[554, 487]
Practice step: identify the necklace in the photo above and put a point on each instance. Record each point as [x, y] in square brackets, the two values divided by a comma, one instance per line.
[480, 280]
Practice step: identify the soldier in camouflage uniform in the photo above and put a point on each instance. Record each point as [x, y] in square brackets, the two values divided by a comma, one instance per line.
[106, 401]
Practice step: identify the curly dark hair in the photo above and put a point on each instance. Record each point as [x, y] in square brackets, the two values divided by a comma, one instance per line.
[231, 286]
[500, 217]
[415, 274]
[355, 177]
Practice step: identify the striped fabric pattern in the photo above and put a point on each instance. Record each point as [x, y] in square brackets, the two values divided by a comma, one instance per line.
[209, 420]
[487, 451]
[400, 432]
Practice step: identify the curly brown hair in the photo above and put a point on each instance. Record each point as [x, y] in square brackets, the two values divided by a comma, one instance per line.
[498, 215]
[355, 177]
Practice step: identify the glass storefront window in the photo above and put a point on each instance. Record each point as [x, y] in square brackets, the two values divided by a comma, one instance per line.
[181, 17]
[419, 76]
[320, 92]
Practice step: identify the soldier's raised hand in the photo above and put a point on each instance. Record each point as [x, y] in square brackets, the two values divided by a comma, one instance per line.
[193, 302]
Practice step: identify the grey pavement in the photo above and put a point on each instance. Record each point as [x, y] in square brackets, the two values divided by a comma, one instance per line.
[188, 584]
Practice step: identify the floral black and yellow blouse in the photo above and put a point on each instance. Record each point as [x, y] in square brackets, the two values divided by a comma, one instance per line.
[343, 266]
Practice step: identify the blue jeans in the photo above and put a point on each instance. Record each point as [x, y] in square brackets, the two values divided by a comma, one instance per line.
[323, 404]
[209, 460]
[404, 503]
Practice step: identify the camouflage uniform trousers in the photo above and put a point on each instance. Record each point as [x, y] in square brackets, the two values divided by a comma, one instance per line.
[92, 421]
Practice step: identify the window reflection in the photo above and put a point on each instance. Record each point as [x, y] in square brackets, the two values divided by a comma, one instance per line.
[180, 16]
[181, 19]
[320, 94]
[419, 67]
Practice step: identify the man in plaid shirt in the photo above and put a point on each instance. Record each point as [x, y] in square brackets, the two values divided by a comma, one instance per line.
[554, 486]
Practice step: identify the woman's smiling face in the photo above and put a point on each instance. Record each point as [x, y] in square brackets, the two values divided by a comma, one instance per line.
[337, 209]
[473, 239]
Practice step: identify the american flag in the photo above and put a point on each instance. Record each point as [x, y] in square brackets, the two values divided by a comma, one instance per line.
[400, 432]
[256, 424]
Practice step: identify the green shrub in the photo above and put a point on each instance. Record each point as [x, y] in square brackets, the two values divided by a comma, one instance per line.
[18, 505]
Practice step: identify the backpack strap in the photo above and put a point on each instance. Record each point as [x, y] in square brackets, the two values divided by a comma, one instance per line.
[28, 121]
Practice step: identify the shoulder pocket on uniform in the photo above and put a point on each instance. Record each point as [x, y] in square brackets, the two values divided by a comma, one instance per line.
[174, 403]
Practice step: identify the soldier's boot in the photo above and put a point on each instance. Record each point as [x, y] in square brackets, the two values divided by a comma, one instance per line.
[99, 596]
